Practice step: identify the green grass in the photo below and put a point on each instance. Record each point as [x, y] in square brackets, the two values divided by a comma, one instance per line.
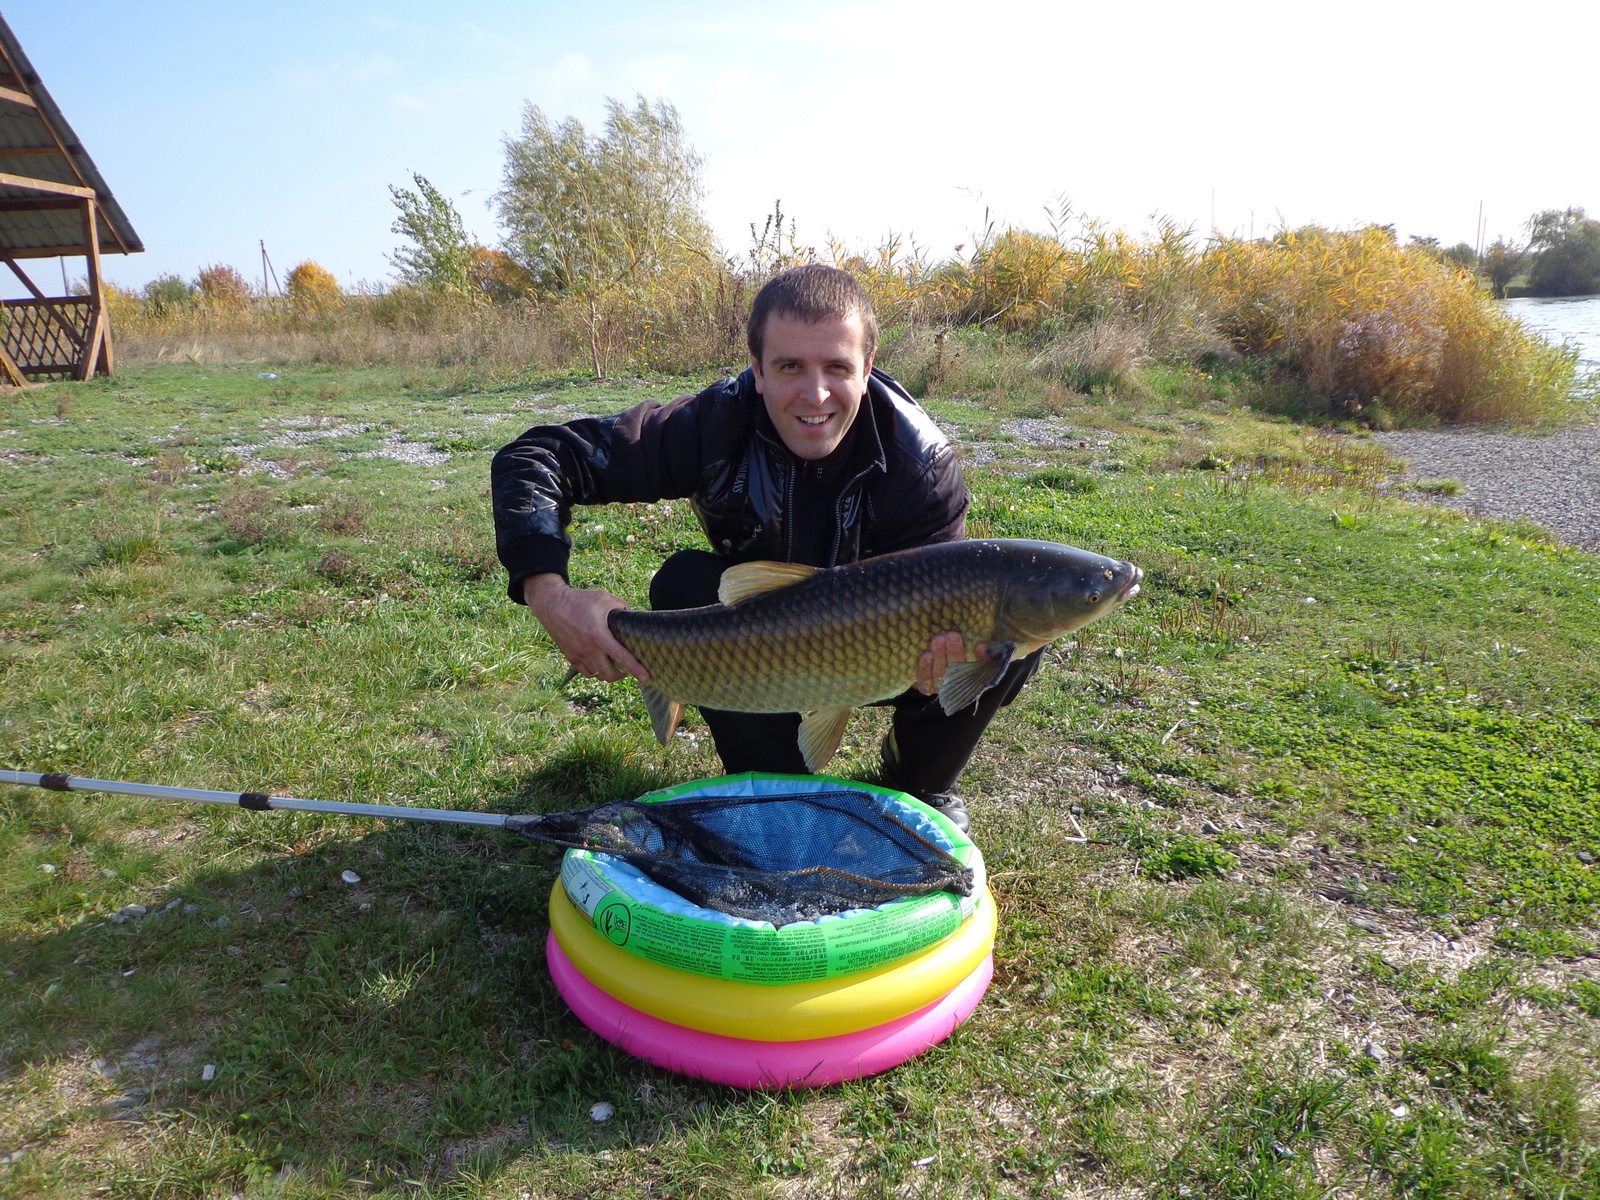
[1327, 705]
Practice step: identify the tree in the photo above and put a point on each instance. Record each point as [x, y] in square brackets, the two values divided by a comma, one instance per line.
[441, 255]
[1502, 262]
[604, 219]
[1566, 250]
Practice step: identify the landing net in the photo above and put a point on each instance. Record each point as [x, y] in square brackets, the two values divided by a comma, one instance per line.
[779, 858]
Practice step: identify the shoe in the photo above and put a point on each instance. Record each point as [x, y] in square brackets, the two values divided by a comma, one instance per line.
[952, 808]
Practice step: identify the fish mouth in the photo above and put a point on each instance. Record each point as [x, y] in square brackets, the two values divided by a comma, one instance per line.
[1132, 588]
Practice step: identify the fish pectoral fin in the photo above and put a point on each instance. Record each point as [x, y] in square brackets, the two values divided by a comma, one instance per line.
[748, 580]
[664, 713]
[819, 735]
[964, 682]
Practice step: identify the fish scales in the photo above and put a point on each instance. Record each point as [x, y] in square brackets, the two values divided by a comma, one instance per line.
[841, 638]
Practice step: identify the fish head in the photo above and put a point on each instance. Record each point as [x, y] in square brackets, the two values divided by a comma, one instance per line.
[1053, 589]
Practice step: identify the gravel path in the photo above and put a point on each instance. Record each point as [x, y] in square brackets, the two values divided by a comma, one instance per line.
[1552, 479]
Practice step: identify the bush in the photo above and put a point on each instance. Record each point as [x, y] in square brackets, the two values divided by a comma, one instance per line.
[166, 295]
[313, 289]
[222, 288]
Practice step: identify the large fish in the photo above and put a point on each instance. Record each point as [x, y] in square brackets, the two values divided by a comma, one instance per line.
[821, 641]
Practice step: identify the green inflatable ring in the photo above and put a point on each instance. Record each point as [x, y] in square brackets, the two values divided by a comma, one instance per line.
[657, 925]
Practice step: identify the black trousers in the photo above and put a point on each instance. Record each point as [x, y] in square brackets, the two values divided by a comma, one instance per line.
[926, 750]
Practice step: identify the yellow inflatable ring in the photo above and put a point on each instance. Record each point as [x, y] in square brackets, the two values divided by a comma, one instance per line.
[789, 1012]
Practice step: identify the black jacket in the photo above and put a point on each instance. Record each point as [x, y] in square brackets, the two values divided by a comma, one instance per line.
[898, 484]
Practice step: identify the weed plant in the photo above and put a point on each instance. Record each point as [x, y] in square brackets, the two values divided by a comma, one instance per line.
[1333, 932]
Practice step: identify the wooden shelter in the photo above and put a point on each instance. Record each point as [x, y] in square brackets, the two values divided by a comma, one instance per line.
[53, 204]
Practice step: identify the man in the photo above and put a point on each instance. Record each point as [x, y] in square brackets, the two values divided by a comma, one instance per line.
[811, 456]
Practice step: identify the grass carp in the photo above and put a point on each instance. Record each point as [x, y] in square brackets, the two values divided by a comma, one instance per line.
[821, 641]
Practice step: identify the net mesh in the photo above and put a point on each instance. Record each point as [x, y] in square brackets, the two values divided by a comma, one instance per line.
[781, 858]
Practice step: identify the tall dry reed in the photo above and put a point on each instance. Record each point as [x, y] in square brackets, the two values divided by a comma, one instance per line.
[1367, 328]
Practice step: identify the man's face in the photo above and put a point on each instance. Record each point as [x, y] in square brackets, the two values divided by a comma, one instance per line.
[812, 377]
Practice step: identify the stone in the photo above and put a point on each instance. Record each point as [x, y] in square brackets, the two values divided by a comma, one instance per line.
[1365, 925]
[601, 1112]
[1585, 857]
[189, 910]
[1376, 1052]
[350, 877]
[48, 868]
[208, 1072]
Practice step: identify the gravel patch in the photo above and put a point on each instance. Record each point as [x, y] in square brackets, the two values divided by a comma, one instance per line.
[420, 454]
[1551, 479]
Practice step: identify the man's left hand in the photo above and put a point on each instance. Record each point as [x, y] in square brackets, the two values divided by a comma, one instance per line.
[946, 648]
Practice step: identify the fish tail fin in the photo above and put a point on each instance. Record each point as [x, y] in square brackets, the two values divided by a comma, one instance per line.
[964, 682]
[820, 733]
[664, 713]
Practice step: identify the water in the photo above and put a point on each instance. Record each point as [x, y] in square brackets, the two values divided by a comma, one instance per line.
[1571, 319]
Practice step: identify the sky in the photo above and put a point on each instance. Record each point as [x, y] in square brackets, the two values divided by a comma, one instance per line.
[219, 126]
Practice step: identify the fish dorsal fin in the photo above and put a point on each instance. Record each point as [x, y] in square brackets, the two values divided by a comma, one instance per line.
[748, 580]
[964, 682]
[819, 736]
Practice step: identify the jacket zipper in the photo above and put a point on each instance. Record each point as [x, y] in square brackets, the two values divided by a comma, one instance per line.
[838, 514]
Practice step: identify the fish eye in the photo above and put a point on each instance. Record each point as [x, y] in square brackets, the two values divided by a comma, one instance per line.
[1093, 597]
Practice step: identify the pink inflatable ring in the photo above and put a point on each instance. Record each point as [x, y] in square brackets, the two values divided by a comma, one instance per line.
[743, 1063]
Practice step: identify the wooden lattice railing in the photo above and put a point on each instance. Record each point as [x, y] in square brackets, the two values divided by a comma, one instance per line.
[47, 337]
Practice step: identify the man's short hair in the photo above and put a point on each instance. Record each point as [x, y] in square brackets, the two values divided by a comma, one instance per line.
[812, 293]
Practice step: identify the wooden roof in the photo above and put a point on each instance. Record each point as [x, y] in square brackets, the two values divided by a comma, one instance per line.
[46, 174]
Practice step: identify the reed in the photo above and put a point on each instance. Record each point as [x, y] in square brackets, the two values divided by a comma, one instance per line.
[1355, 325]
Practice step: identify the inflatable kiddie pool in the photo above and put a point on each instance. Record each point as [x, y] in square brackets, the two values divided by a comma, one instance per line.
[749, 1003]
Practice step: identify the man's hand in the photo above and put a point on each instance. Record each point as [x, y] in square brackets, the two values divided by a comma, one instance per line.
[575, 619]
[945, 649]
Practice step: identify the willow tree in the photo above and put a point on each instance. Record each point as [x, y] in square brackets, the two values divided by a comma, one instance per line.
[441, 254]
[610, 220]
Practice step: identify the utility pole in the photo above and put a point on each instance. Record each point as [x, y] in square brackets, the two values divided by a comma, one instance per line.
[268, 273]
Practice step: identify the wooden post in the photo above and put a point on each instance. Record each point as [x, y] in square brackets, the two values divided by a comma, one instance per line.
[96, 335]
[9, 371]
